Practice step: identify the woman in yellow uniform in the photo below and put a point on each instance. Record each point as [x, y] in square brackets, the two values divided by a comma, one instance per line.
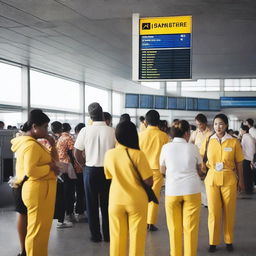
[38, 191]
[225, 163]
[127, 199]
[181, 162]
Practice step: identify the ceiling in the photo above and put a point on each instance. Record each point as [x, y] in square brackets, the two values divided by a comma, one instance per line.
[90, 40]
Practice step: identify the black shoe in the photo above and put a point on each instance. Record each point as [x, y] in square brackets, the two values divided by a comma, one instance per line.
[95, 240]
[212, 248]
[22, 254]
[229, 247]
[152, 227]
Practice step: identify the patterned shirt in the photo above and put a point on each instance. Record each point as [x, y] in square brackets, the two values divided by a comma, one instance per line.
[64, 143]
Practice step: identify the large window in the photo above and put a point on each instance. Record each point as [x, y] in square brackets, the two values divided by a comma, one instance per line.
[154, 85]
[116, 103]
[201, 85]
[240, 84]
[11, 118]
[10, 84]
[171, 87]
[52, 92]
[93, 94]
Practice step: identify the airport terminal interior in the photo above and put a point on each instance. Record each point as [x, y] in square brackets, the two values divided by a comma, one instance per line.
[62, 55]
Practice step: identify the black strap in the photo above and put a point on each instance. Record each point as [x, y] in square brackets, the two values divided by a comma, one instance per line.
[134, 167]
[205, 158]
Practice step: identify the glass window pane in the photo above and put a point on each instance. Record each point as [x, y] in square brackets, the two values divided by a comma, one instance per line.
[93, 94]
[48, 91]
[116, 103]
[10, 80]
[11, 118]
[245, 82]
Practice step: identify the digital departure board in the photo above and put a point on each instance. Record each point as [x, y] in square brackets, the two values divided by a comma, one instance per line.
[160, 102]
[238, 102]
[146, 101]
[164, 49]
[132, 100]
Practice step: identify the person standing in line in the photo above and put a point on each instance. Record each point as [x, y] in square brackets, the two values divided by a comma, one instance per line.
[108, 118]
[225, 163]
[142, 124]
[197, 137]
[35, 165]
[248, 146]
[181, 162]
[95, 140]
[151, 141]
[127, 198]
[252, 130]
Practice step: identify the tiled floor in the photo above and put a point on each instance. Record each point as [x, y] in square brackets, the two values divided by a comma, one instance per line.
[75, 241]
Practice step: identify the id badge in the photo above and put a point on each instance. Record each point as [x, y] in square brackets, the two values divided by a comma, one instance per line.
[219, 167]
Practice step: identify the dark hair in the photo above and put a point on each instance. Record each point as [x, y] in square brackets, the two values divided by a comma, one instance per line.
[250, 121]
[66, 127]
[142, 118]
[223, 117]
[245, 128]
[163, 125]
[236, 133]
[79, 127]
[107, 116]
[95, 111]
[37, 117]
[56, 127]
[192, 127]
[152, 117]
[201, 118]
[125, 117]
[179, 128]
[126, 134]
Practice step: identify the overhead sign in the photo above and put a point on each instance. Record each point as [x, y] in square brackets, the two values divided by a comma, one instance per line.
[164, 48]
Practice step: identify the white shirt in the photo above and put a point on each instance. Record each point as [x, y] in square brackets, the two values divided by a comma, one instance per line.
[248, 146]
[95, 139]
[252, 131]
[224, 138]
[180, 159]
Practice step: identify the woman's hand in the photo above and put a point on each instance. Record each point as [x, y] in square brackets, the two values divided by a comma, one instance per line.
[50, 140]
[54, 168]
[240, 186]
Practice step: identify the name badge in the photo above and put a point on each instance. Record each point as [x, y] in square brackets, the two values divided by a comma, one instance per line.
[219, 167]
[228, 149]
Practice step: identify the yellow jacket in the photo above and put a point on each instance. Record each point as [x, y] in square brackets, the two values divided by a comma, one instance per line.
[33, 159]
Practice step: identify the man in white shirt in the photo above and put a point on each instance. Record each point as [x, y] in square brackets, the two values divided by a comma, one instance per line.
[248, 146]
[249, 122]
[95, 140]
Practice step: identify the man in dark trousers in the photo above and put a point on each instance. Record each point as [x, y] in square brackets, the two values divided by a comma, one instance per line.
[95, 140]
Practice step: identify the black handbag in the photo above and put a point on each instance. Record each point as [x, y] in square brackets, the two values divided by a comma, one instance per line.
[150, 193]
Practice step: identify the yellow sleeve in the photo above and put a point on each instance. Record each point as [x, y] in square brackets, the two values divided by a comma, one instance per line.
[106, 171]
[239, 156]
[202, 148]
[143, 166]
[31, 160]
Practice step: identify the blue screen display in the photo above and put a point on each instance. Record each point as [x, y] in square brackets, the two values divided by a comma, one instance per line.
[214, 104]
[181, 103]
[191, 104]
[146, 101]
[165, 41]
[160, 102]
[172, 103]
[203, 104]
[131, 100]
[238, 102]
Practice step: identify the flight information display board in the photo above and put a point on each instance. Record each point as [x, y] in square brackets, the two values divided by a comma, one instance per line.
[146, 101]
[165, 46]
[132, 100]
[238, 102]
[160, 102]
[191, 104]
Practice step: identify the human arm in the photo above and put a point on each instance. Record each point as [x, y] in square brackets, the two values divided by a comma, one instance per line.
[79, 156]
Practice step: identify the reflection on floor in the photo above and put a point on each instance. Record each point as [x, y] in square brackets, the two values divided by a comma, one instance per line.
[75, 241]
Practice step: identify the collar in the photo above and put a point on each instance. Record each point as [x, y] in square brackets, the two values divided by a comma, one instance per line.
[151, 127]
[224, 138]
[99, 123]
[120, 146]
[179, 140]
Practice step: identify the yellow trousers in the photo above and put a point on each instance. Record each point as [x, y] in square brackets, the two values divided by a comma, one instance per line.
[182, 215]
[128, 221]
[39, 198]
[152, 207]
[221, 198]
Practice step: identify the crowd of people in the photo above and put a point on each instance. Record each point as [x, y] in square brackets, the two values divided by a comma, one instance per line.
[71, 177]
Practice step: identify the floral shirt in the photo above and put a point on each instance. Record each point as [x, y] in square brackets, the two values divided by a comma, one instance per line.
[64, 143]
